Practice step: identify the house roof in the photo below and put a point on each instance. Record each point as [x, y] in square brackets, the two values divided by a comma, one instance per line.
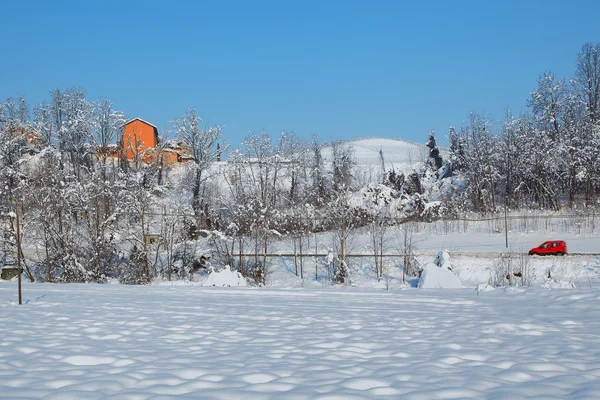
[141, 120]
[181, 152]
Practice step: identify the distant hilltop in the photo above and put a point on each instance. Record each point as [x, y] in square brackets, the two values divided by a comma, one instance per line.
[399, 153]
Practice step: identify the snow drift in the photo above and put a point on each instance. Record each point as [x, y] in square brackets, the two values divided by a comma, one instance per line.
[439, 275]
[225, 277]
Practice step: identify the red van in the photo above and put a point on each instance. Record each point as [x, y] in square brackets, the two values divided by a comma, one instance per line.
[552, 247]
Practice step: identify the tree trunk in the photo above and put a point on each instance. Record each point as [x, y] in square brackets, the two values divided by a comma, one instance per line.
[196, 194]
[48, 265]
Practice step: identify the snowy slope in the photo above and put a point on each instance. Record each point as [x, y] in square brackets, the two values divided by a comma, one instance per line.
[401, 154]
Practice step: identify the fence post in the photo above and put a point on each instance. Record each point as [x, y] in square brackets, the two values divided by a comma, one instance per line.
[19, 270]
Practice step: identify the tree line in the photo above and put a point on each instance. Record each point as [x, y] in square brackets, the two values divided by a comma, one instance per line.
[546, 158]
[88, 217]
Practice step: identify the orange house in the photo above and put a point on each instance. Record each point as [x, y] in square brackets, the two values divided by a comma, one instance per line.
[140, 138]
[176, 152]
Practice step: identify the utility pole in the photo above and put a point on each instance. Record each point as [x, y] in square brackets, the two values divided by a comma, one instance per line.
[19, 270]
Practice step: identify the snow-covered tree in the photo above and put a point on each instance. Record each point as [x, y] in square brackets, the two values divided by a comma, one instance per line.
[294, 153]
[457, 151]
[481, 162]
[42, 123]
[205, 149]
[319, 186]
[344, 219]
[342, 164]
[548, 102]
[588, 79]
[435, 159]
[73, 124]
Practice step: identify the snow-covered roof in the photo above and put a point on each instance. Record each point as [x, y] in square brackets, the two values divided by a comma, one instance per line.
[181, 152]
[141, 120]
[174, 144]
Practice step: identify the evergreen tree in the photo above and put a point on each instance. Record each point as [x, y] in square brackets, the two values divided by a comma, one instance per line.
[457, 151]
[435, 159]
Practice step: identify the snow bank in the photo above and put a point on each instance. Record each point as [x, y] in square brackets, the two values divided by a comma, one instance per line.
[558, 284]
[225, 277]
[484, 287]
[434, 277]
[439, 274]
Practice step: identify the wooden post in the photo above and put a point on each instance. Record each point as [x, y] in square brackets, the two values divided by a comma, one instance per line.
[505, 224]
[295, 256]
[301, 261]
[241, 258]
[19, 271]
[316, 259]
[48, 266]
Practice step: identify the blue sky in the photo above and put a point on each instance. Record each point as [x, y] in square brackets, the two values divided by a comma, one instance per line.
[338, 69]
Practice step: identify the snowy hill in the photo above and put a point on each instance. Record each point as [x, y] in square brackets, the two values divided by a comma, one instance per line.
[401, 154]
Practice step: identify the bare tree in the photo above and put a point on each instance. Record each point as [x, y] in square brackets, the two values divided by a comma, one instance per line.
[588, 78]
[293, 152]
[548, 103]
[107, 126]
[72, 115]
[17, 111]
[139, 202]
[480, 155]
[42, 123]
[262, 168]
[407, 239]
[319, 187]
[345, 219]
[382, 162]
[380, 237]
[107, 123]
[204, 146]
[342, 164]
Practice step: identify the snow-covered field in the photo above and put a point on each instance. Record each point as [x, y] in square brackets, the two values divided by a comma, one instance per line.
[81, 341]
[310, 339]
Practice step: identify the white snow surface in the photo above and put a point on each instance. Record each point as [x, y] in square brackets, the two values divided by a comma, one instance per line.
[395, 151]
[438, 277]
[442, 260]
[91, 341]
[224, 277]
[400, 155]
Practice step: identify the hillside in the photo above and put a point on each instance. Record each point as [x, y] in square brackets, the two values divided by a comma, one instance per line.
[401, 154]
